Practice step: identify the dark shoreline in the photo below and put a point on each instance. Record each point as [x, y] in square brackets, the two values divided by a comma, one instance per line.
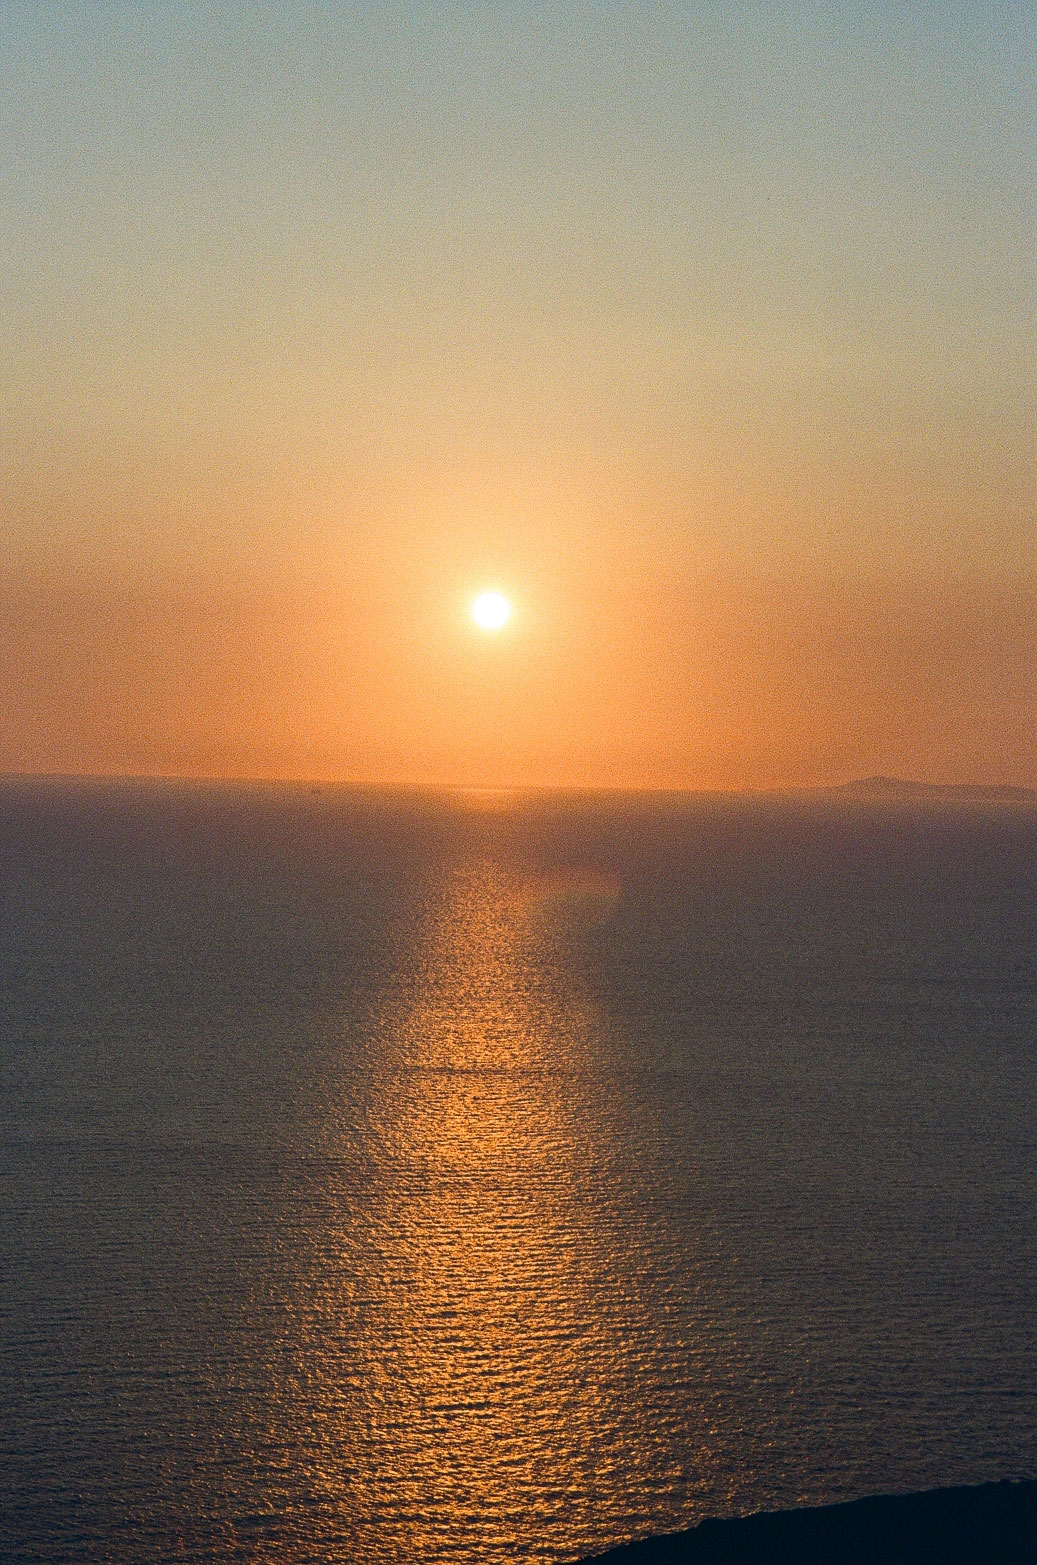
[987, 1524]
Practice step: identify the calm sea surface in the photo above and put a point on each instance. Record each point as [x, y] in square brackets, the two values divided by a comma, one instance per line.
[393, 1178]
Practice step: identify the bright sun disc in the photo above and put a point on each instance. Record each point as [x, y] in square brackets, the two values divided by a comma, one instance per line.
[491, 610]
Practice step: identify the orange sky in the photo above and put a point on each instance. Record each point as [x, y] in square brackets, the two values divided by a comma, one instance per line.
[706, 338]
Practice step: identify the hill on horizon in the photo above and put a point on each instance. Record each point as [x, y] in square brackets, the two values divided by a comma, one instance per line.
[880, 787]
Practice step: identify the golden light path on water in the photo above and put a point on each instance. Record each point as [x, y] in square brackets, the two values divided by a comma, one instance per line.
[471, 1342]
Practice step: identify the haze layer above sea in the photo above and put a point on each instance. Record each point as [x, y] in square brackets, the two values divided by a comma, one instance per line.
[496, 1176]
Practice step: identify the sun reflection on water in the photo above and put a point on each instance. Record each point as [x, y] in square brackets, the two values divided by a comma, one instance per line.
[475, 1339]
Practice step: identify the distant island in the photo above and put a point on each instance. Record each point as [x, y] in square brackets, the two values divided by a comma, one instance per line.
[980, 1525]
[902, 788]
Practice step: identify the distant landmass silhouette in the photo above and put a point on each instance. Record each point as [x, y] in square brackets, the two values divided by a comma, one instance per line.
[902, 788]
[988, 1524]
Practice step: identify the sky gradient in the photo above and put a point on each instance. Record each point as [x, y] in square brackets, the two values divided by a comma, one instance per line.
[704, 332]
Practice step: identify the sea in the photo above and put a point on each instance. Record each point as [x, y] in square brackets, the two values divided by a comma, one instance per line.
[482, 1176]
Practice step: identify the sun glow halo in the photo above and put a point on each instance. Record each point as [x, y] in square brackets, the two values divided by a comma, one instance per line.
[491, 610]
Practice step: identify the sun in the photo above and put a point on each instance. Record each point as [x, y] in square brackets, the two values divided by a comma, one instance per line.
[491, 610]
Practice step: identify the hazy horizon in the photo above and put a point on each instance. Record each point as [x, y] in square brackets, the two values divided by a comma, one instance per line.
[873, 786]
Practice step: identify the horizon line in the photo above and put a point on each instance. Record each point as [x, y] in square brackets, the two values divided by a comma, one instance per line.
[877, 785]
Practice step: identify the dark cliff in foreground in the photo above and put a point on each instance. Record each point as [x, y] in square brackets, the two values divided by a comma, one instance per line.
[991, 1524]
